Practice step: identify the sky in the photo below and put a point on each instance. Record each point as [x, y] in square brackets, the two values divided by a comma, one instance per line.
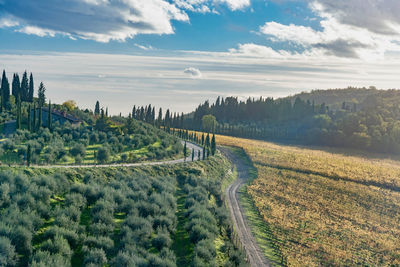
[177, 53]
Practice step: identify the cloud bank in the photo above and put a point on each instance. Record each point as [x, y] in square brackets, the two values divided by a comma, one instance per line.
[102, 20]
[364, 29]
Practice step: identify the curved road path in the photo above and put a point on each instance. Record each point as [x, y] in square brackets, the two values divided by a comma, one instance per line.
[190, 146]
[253, 251]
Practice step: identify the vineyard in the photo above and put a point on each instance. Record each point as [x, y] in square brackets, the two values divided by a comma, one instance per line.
[145, 216]
[324, 208]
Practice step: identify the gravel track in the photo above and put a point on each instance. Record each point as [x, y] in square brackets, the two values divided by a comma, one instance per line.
[253, 252]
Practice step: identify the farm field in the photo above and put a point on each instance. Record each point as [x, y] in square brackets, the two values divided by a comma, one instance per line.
[143, 216]
[323, 208]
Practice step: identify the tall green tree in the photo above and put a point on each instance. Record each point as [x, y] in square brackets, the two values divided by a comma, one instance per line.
[49, 118]
[185, 151]
[97, 108]
[5, 92]
[208, 141]
[159, 119]
[34, 117]
[41, 94]
[40, 118]
[29, 118]
[24, 89]
[19, 113]
[29, 155]
[209, 123]
[213, 145]
[31, 89]
[134, 112]
[16, 86]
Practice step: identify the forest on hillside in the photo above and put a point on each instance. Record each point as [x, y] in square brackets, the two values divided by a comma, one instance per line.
[370, 120]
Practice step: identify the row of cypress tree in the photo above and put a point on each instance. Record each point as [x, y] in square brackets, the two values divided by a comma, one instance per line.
[20, 88]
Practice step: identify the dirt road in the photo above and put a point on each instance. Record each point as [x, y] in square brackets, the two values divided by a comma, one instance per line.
[254, 254]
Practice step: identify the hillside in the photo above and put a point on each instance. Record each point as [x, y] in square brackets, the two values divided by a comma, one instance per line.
[334, 98]
[144, 216]
[371, 123]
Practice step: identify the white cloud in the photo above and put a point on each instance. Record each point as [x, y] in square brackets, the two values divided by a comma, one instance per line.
[7, 22]
[193, 72]
[203, 6]
[235, 4]
[340, 35]
[37, 31]
[103, 20]
[144, 47]
[100, 20]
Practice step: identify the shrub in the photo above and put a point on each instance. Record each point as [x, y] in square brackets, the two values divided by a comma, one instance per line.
[96, 257]
[103, 154]
[45, 259]
[58, 245]
[78, 150]
[161, 240]
[8, 257]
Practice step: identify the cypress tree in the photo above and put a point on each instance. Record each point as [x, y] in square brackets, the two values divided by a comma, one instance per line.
[134, 112]
[5, 88]
[34, 118]
[204, 152]
[97, 108]
[106, 112]
[19, 112]
[29, 118]
[16, 86]
[192, 154]
[208, 141]
[213, 145]
[199, 155]
[29, 155]
[49, 118]
[40, 118]
[185, 151]
[24, 87]
[159, 119]
[41, 94]
[202, 139]
[31, 89]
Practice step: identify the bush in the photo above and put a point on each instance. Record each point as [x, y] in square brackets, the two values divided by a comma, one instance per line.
[57, 245]
[161, 240]
[45, 259]
[78, 150]
[103, 154]
[96, 257]
[8, 257]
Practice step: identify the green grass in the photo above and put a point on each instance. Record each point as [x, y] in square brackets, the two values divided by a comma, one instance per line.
[77, 256]
[182, 246]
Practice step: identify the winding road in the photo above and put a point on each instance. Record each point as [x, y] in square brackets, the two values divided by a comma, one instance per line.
[254, 254]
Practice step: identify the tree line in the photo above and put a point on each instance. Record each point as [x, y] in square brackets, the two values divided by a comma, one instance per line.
[372, 124]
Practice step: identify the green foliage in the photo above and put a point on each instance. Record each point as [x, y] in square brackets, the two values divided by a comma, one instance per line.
[209, 123]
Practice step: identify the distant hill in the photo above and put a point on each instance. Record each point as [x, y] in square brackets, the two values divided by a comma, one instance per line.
[334, 98]
[360, 118]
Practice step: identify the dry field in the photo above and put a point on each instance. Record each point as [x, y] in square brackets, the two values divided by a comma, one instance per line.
[326, 208]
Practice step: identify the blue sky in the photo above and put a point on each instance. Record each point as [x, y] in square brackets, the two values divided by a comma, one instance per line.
[178, 53]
